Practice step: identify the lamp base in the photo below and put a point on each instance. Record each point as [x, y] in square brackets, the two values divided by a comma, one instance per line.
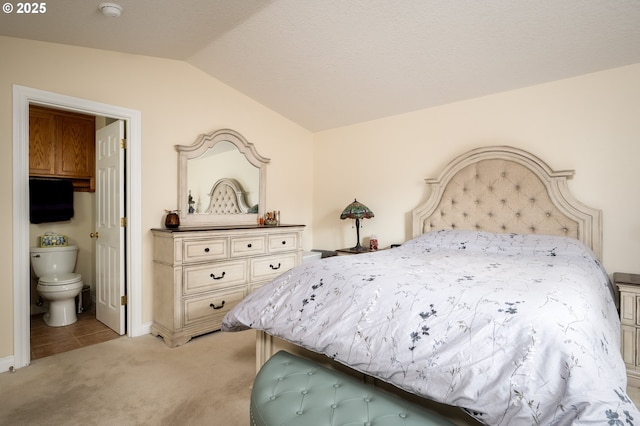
[359, 249]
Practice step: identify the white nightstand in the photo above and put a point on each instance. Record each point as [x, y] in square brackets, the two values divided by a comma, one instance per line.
[629, 286]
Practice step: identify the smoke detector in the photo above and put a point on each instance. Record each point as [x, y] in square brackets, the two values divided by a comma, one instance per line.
[112, 10]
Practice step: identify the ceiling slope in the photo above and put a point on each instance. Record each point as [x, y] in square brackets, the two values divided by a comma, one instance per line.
[330, 63]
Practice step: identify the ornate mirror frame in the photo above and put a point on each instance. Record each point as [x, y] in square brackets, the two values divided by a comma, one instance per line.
[203, 143]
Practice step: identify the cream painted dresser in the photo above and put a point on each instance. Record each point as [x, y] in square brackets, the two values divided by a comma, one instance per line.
[201, 273]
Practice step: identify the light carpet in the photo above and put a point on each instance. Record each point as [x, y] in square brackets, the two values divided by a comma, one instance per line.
[139, 381]
[136, 381]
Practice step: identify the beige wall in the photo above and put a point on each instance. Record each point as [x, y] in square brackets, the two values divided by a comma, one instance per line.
[177, 102]
[589, 123]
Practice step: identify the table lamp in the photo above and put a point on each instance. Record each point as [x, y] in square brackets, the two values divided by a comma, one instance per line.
[357, 211]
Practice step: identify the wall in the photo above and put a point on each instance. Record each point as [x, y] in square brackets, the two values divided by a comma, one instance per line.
[588, 123]
[177, 103]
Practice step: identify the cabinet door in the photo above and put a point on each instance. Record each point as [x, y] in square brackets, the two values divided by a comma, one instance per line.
[76, 137]
[628, 345]
[42, 149]
[62, 145]
[628, 304]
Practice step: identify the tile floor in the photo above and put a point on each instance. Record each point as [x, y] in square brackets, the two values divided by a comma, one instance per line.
[46, 341]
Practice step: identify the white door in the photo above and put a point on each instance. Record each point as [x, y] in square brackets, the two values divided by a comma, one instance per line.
[109, 232]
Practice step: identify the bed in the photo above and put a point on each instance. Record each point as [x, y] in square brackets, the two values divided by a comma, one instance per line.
[499, 305]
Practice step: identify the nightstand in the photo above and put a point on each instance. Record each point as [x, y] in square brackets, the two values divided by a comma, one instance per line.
[629, 286]
[347, 251]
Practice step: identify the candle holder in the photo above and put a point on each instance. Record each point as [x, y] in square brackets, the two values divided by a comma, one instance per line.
[172, 220]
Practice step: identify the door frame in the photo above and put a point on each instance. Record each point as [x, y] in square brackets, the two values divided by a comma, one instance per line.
[22, 97]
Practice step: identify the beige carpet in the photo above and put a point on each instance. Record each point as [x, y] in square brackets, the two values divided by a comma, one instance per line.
[139, 381]
[136, 381]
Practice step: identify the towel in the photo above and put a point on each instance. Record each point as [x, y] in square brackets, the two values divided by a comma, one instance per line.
[51, 200]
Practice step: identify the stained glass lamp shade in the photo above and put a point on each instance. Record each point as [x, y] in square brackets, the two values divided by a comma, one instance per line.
[357, 211]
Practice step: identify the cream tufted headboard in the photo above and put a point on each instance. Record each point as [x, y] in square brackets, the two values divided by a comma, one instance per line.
[227, 197]
[507, 190]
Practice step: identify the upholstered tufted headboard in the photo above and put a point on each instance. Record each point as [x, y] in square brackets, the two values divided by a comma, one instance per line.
[507, 190]
[227, 197]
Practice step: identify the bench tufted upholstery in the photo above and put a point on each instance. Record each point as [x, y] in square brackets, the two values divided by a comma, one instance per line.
[290, 390]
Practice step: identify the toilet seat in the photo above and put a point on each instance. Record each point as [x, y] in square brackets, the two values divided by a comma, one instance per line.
[60, 282]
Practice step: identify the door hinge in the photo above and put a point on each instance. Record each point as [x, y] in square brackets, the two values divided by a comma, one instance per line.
[123, 222]
[123, 300]
[123, 143]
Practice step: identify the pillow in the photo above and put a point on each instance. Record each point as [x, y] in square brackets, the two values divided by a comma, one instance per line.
[507, 244]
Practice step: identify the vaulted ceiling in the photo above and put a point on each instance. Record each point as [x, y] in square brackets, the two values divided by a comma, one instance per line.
[329, 63]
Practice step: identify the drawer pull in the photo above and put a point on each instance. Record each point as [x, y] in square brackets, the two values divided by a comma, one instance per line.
[275, 267]
[284, 242]
[249, 245]
[206, 250]
[217, 278]
[217, 307]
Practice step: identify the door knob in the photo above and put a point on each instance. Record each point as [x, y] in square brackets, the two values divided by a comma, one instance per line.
[94, 235]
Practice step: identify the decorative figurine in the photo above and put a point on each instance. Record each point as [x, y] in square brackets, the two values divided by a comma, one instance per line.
[191, 203]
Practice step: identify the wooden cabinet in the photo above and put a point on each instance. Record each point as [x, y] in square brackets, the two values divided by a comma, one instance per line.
[201, 273]
[629, 286]
[62, 145]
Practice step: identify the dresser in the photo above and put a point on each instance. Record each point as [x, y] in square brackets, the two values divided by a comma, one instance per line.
[629, 286]
[201, 273]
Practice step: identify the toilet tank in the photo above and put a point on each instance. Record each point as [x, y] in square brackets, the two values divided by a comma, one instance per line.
[53, 260]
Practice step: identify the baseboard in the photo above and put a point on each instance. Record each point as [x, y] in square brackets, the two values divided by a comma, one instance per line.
[144, 329]
[6, 364]
[633, 379]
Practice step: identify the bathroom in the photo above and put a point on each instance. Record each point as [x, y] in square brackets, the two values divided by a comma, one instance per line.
[78, 229]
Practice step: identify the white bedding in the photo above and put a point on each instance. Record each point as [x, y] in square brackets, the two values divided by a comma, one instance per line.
[514, 329]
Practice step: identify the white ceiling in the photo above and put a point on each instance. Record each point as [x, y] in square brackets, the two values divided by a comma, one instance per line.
[328, 63]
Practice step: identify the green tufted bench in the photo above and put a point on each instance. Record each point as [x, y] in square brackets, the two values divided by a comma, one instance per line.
[290, 390]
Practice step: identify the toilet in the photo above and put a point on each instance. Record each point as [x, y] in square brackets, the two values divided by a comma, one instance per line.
[57, 283]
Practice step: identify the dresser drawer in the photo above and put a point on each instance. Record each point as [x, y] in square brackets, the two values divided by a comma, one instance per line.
[264, 268]
[248, 246]
[205, 249]
[199, 278]
[211, 307]
[283, 242]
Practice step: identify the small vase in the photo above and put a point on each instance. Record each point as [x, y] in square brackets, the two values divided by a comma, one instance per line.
[172, 220]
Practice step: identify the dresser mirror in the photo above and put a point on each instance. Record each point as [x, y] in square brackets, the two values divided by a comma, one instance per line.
[221, 180]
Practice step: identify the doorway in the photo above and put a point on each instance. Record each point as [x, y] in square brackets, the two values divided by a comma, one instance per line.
[22, 97]
[98, 206]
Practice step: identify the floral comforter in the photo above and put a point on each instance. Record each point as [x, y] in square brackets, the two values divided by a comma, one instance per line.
[514, 329]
